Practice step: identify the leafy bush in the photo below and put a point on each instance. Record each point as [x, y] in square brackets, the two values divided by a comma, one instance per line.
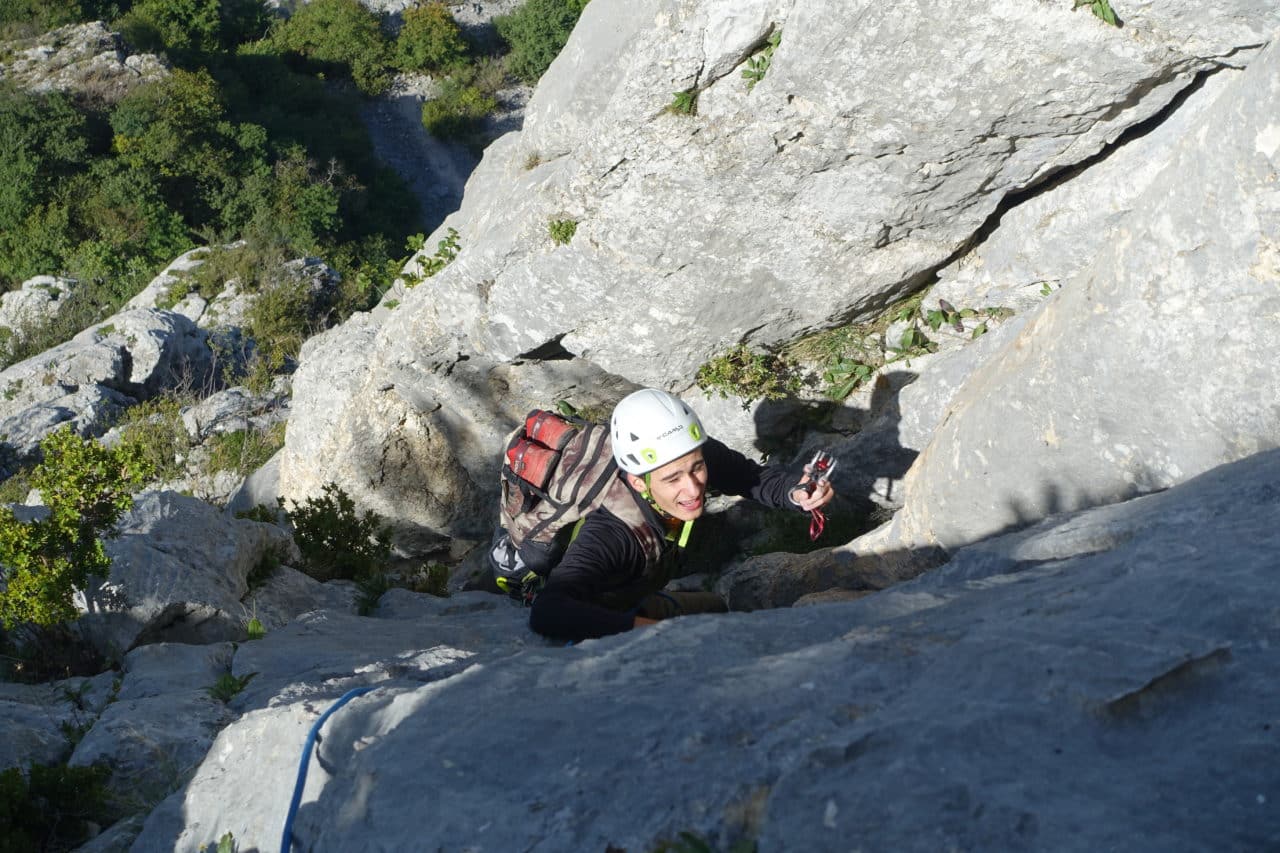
[184, 28]
[335, 540]
[430, 39]
[156, 429]
[536, 32]
[51, 806]
[1101, 9]
[341, 36]
[86, 487]
[458, 110]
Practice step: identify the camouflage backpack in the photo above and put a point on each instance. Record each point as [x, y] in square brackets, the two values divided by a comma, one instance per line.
[555, 471]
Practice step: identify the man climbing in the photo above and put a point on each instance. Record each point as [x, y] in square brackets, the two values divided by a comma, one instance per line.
[611, 578]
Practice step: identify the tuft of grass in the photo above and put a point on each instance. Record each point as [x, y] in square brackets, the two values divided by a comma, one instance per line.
[749, 375]
[244, 451]
[228, 686]
[369, 591]
[562, 230]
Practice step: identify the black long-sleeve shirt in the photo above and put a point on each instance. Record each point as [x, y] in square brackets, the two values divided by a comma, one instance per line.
[604, 572]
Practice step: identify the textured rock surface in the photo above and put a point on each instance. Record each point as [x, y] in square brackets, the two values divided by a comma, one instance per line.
[1104, 679]
[85, 59]
[162, 722]
[178, 573]
[90, 379]
[1144, 369]
[845, 177]
[420, 449]
[38, 301]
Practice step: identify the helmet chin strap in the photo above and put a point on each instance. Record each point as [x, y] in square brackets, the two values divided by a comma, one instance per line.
[685, 530]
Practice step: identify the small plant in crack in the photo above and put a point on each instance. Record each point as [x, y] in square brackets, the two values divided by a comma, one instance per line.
[758, 65]
[684, 103]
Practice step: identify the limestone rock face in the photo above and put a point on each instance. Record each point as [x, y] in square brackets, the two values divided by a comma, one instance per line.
[848, 171]
[38, 301]
[1037, 692]
[1144, 369]
[872, 151]
[84, 59]
[88, 380]
[178, 573]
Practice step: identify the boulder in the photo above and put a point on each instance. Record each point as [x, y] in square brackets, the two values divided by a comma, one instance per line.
[422, 449]
[38, 301]
[88, 380]
[1100, 680]
[179, 571]
[1144, 369]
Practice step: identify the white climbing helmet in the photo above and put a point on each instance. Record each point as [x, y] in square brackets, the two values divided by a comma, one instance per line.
[651, 428]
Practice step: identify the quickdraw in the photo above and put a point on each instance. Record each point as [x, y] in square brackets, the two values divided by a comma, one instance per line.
[819, 469]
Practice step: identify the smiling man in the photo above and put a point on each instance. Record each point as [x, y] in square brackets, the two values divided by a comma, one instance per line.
[611, 578]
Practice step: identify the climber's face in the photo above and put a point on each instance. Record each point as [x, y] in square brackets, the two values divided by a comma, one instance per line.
[679, 488]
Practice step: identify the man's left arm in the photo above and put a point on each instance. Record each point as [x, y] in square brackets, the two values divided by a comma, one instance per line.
[778, 486]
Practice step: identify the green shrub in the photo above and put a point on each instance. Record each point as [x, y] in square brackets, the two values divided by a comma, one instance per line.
[1100, 8]
[155, 427]
[562, 230]
[245, 451]
[51, 807]
[536, 32]
[281, 317]
[458, 110]
[86, 487]
[184, 28]
[446, 250]
[430, 39]
[749, 375]
[340, 36]
[335, 540]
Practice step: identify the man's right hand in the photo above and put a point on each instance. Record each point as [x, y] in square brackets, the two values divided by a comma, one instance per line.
[641, 621]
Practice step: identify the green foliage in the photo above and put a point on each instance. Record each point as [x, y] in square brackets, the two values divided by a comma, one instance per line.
[228, 686]
[156, 429]
[536, 32]
[749, 375]
[182, 28]
[1100, 8]
[335, 540]
[51, 806]
[458, 110]
[254, 629]
[369, 591]
[758, 65]
[244, 451]
[86, 487]
[433, 580]
[338, 36]
[261, 513]
[446, 251]
[227, 843]
[430, 39]
[263, 569]
[562, 230]
[684, 103]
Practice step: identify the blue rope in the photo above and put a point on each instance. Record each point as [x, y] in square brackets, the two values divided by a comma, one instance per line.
[286, 843]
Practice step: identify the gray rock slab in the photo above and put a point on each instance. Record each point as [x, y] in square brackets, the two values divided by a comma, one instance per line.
[82, 59]
[423, 638]
[160, 669]
[289, 592]
[41, 721]
[178, 573]
[1142, 370]
[1053, 689]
